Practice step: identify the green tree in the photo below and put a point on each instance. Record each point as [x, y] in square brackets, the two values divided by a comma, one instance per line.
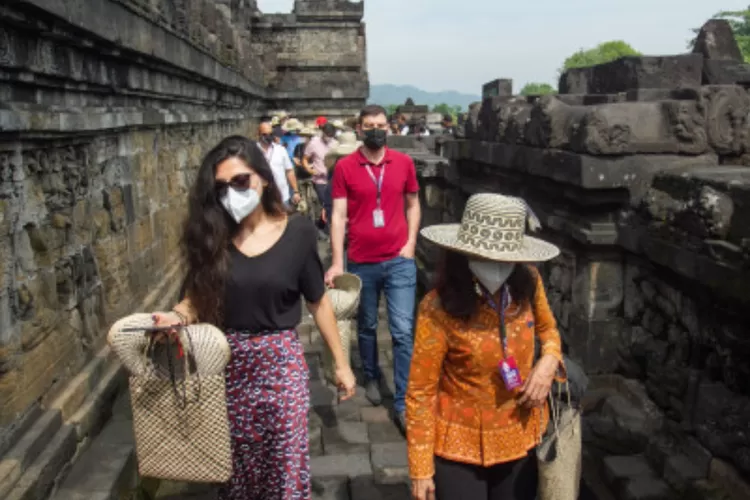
[739, 20]
[534, 88]
[447, 109]
[602, 53]
[391, 108]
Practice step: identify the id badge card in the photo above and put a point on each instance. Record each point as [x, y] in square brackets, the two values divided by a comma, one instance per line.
[511, 375]
[378, 220]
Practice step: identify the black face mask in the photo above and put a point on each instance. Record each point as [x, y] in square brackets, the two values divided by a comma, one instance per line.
[266, 138]
[374, 139]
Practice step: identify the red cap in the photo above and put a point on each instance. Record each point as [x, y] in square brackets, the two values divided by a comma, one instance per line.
[320, 121]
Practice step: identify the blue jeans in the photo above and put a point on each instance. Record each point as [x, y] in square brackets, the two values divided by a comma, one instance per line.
[398, 279]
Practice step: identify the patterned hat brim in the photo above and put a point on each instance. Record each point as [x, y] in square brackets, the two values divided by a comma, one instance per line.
[533, 249]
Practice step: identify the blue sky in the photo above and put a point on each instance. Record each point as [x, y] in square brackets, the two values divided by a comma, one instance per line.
[461, 44]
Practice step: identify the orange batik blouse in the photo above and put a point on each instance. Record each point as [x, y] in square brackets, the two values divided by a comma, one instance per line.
[457, 406]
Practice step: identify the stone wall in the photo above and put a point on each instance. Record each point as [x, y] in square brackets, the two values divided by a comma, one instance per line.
[106, 109]
[647, 194]
[314, 59]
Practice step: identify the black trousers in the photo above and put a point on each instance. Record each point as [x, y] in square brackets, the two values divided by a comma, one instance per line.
[516, 480]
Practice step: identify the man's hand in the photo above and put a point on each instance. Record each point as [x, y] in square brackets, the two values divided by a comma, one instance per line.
[407, 251]
[536, 388]
[296, 198]
[333, 272]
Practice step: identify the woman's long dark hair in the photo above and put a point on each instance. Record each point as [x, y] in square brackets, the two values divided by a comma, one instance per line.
[209, 228]
[455, 285]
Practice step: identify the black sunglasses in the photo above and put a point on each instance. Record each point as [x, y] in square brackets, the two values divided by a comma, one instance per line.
[240, 182]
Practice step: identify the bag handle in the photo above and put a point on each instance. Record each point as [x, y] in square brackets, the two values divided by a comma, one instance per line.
[188, 363]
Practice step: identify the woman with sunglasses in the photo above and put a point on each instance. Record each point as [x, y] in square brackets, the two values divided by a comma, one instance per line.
[249, 265]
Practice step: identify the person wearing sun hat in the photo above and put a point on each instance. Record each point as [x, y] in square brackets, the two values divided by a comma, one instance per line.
[476, 403]
[292, 137]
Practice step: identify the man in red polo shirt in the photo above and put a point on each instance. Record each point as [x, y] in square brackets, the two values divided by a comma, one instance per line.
[375, 188]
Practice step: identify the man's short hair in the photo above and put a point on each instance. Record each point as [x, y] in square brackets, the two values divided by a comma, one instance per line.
[372, 110]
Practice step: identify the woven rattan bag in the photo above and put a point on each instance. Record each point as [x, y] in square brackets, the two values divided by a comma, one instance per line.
[560, 452]
[345, 301]
[178, 399]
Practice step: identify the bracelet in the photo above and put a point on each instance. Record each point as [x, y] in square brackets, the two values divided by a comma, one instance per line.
[183, 319]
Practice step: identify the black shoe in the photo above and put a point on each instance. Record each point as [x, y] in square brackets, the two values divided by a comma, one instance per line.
[372, 392]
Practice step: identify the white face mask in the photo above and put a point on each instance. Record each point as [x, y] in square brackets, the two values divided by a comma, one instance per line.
[491, 274]
[240, 204]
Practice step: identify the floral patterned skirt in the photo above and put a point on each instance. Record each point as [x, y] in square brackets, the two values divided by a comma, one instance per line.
[268, 400]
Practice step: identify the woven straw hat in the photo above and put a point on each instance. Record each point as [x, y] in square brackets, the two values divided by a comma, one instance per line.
[292, 124]
[493, 227]
[307, 131]
[347, 144]
[345, 295]
[339, 124]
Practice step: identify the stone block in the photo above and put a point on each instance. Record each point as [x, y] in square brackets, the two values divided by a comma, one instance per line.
[726, 109]
[384, 432]
[645, 488]
[619, 469]
[389, 462]
[345, 438]
[729, 479]
[375, 415]
[619, 128]
[30, 445]
[330, 488]
[501, 87]
[107, 466]
[725, 73]
[716, 41]
[38, 479]
[680, 471]
[368, 489]
[352, 465]
[632, 72]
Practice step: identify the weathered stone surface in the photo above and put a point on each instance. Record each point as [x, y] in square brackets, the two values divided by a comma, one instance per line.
[725, 73]
[668, 72]
[502, 87]
[726, 111]
[619, 128]
[716, 41]
[353, 465]
[389, 462]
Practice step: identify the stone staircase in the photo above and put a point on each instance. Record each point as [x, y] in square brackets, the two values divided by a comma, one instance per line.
[632, 452]
[51, 446]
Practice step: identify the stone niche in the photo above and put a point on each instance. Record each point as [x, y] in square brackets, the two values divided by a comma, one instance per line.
[645, 187]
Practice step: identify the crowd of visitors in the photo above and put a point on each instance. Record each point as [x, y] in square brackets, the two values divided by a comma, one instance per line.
[472, 370]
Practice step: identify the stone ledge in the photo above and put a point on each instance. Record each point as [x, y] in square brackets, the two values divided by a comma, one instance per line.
[119, 25]
[32, 444]
[106, 468]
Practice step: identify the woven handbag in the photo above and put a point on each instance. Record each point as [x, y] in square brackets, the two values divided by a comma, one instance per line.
[178, 399]
[560, 452]
[345, 301]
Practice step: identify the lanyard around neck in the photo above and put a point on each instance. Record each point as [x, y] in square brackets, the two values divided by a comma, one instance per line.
[500, 310]
[379, 181]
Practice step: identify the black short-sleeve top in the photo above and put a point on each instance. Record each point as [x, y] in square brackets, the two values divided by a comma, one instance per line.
[264, 292]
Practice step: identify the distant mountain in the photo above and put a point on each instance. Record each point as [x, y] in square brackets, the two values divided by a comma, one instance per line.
[386, 94]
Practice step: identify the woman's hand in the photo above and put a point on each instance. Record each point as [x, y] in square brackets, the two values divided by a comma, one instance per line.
[536, 388]
[166, 319]
[346, 382]
[423, 489]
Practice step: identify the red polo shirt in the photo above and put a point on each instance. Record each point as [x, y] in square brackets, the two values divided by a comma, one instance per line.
[367, 243]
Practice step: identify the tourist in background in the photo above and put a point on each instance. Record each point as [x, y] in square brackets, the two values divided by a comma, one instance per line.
[314, 162]
[375, 203]
[477, 398]
[403, 126]
[249, 265]
[447, 123]
[291, 137]
[280, 163]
